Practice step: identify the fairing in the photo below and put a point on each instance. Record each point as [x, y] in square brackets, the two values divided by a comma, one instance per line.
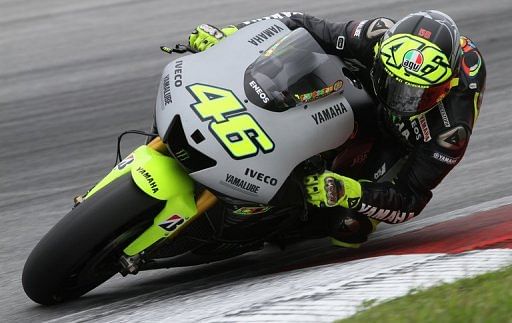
[253, 149]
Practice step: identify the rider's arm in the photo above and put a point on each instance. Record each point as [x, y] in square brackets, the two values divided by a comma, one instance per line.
[206, 36]
[409, 193]
[353, 40]
[405, 196]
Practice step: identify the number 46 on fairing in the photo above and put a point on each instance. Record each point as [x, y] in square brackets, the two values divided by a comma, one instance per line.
[237, 131]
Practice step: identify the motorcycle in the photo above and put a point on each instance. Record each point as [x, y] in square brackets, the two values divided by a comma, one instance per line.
[239, 126]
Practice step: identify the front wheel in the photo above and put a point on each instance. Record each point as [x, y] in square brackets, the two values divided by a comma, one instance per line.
[82, 250]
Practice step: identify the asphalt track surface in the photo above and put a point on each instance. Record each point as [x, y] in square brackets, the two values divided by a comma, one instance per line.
[74, 74]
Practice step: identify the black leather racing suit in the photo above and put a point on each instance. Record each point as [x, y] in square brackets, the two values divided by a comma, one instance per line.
[424, 149]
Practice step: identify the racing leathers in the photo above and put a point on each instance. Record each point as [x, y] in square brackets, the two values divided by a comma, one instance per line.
[405, 158]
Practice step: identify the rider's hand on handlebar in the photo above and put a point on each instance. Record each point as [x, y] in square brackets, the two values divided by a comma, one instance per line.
[205, 36]
[330, 189]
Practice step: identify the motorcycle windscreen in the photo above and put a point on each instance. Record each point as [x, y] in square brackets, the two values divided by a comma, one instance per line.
[293, 71]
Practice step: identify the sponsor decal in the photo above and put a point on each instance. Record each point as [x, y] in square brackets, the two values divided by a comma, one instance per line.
[413, 60]
[329, 113]
[403, 130]
[265, 34]
[378, 27]
[167, 91]
[125, 162]
[424, 33]
[151, 181]
[261, 177]
[340, 43]
[240, 183]
[453, 139]
[238, 133]
[311, 96]
[263, 96]
[424, 128]
[172, 223]
[252, 210]
[359, 29]
[379, 173]
[416, 130]
[279, 15]
[444, 116]
[445, 159]
[178, 76]
[389, 216]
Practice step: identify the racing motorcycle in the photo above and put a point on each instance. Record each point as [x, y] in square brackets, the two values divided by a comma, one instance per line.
[239, 126]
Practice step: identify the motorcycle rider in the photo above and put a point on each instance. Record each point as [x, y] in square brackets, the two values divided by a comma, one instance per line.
[427, 83]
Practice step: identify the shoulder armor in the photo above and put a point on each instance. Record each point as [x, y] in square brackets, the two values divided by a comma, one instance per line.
[472, 67]
[378, 27]
[370, 29]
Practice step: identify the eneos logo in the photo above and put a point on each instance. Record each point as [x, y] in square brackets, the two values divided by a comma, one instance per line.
[413, 60]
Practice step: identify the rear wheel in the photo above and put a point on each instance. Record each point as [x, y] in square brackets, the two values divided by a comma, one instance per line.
[82, 250]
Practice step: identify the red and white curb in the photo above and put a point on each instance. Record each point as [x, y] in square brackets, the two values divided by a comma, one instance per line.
[340, 282]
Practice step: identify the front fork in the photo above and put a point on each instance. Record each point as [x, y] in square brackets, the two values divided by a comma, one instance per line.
[161, 177]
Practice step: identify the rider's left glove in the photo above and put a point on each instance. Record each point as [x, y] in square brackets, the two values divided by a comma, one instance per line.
[205, 36]
[330, 189]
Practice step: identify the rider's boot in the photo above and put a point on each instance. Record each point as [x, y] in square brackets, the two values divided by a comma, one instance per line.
[350, 230]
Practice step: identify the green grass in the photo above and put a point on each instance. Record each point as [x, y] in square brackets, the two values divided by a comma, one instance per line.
[485, 298]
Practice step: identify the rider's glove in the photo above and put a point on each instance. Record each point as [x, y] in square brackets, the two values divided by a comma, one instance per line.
[205, 36]
[330, 189]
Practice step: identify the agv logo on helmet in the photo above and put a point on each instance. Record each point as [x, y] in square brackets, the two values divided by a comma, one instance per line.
[414, 60]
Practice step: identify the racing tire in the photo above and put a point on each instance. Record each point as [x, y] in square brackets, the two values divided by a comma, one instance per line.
[82, 250]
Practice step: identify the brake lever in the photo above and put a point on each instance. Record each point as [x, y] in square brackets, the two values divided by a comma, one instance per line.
[179, 48]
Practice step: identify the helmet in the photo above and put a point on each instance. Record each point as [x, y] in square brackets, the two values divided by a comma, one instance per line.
[415, 63]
